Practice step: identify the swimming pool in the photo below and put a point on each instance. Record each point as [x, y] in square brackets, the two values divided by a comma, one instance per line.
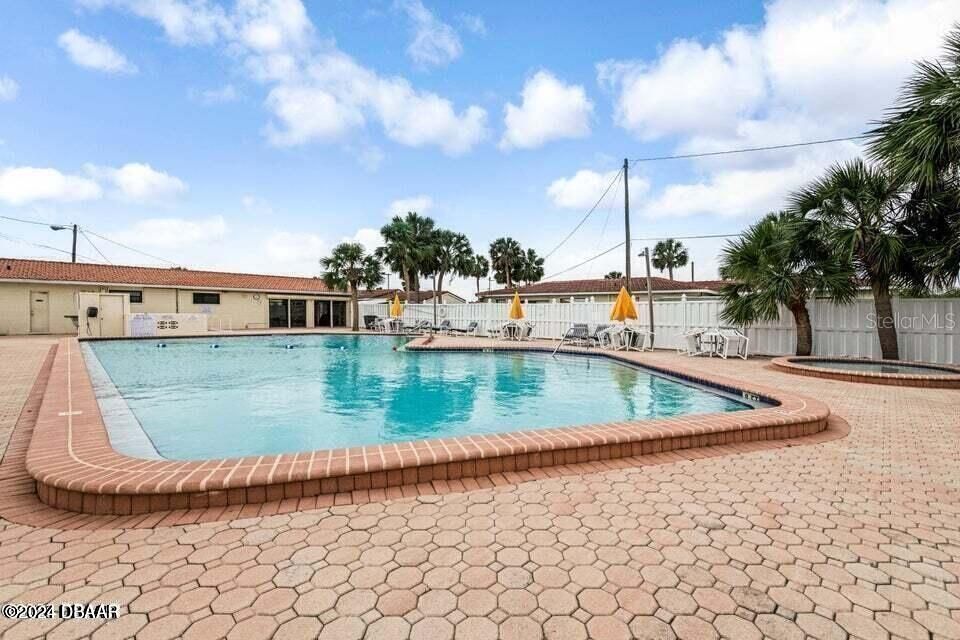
[251, 396]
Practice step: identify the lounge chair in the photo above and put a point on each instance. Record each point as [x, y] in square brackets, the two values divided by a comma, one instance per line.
[733, 337]
[637, 339]
[692, 343]
[526, 331]
[595, 337]
[370, 322]
[578, 334]
[611, 338]
[418, 327]
[473, 329]
[444, 327]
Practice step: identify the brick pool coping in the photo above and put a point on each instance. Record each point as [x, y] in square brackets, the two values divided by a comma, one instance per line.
[76, 468]
[795, 365]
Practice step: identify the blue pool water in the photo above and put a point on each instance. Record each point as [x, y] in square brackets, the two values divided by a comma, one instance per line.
[281, 394]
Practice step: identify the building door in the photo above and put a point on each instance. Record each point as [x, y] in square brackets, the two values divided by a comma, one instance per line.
[339, 313]
[279, 315]
[39, 312]
[111, 316]
[321, 313]
[298, 313]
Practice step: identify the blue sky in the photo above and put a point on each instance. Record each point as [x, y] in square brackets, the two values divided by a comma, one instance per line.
[256, 134]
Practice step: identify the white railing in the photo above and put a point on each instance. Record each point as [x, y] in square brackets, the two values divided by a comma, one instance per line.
[928, 328]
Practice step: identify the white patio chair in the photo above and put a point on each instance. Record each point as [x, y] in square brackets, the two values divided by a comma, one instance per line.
[733, 337]
[612, 338]
[692, 344]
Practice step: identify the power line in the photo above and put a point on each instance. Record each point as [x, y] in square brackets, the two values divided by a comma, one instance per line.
[700, 237]
[95, 247]
[42, 246]
[747, 149]
[94, 233]
[129, 248]
[587, 261]
[588, 214]
[38, 222]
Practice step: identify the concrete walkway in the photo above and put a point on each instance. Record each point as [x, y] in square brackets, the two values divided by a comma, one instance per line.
[857, 537]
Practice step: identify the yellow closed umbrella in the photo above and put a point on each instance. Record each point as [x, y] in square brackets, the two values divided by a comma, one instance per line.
[623, 308]
[516, 310]
[396, 309]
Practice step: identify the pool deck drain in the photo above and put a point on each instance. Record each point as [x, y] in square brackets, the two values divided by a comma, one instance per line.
[77, 469]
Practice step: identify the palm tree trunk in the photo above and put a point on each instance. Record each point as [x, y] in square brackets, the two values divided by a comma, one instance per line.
[478, 284]
[354, 307]
[801, 317]
[406, 279]
[886, 325]
[670, 271]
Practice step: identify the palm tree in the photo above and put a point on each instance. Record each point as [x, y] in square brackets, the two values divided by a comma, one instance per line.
[919, 141]
[531, 267]
[347, 267]
[479, 268]
[506, 255]
[407, 244]
[669, 254]
[452, 254]
[614, 275]
[919, 144]
[862, 210]
[782, 260]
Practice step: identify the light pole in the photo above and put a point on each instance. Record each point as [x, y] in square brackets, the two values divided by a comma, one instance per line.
[62, 227]
[646, 254]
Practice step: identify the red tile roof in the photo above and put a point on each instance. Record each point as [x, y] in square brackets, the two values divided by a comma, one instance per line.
[45, 270]
[603, 285]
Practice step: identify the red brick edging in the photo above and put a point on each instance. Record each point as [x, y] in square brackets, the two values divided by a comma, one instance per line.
[75, 467]
[796, 365]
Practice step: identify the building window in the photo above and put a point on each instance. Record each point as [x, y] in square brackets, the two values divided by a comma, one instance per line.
[136, 297]
[206, 298]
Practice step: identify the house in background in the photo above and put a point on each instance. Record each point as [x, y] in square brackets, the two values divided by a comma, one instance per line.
[379, 296]
[604, 290]
[41, 297]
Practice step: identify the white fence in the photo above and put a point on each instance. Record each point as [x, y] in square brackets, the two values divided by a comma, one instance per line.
[927, 328]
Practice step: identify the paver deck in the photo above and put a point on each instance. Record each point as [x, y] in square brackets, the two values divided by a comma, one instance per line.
[853, 537]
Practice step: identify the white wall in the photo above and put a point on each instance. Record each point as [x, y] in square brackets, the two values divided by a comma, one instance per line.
[928, 328]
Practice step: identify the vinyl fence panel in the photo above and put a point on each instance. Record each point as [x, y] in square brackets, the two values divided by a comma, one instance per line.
[927, 327]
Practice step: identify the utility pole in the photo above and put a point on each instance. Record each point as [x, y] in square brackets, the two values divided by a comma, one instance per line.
[626, 222]
[60, 227]
[646, 254]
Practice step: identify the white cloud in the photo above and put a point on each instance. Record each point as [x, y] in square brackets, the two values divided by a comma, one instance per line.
[339, 92]
[183, 22]
[25, 185]
[690, 88]
[584, 188]
[305, 114]
[435, 43]
[9, 89]
[288, 248]
[811, 70]
[474, 24]
[419, 204]
[94, 53]
[172, 233]
[139, 182]
[316, 92]
[836, 64]
[368, 237]
[742, 191]
[550, 110]
[220, 95]
[257, 205]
